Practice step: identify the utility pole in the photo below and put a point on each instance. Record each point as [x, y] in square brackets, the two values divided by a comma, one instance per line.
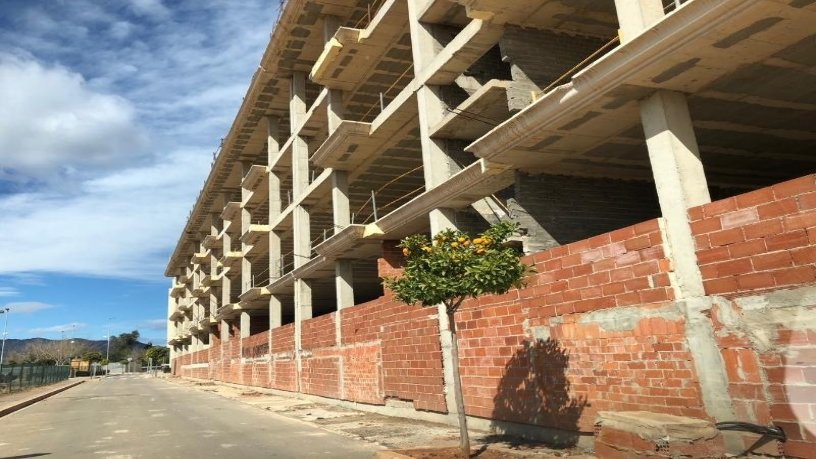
[4, 311]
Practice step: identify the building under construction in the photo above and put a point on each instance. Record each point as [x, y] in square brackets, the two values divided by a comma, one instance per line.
[658, 156]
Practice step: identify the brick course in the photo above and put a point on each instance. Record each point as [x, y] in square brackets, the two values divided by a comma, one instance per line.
[758, 241]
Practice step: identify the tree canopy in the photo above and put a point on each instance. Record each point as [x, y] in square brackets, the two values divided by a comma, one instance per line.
[455, 266]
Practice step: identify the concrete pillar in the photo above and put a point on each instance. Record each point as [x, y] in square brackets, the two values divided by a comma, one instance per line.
[273, 148]
[275, 311]
[341, 210]
[679, 178]
[300, 150]
[246, 221]
[245, 324]
[437, 166]
[224, 330]
[635, 16]
[344, 283]
[302, 235]
[681, 183]
[272, 138]
[303, 311]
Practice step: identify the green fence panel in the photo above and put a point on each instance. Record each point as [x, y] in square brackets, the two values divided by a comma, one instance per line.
[21, 377]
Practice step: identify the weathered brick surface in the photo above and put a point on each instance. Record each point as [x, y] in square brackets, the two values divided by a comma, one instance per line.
[770, 361]
[283, 339]
[321, 375]
[758, 241]
[319, 332]
[255, 346]
[362, 374]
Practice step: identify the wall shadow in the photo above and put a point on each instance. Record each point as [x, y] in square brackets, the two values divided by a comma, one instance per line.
[535, 392]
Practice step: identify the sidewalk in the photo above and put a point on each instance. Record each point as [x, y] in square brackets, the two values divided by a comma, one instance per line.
[387, 431]
[14, 401]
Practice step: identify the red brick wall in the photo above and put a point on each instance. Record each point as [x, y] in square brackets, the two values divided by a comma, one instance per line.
[758, 241]
[284, 371]
[411, 352]
[621, 268]
[283, 339]
[255, 346]
[362, 374]
[565, 380]
[319, 332]
[773, 380]
[321, 375]
[594, 330]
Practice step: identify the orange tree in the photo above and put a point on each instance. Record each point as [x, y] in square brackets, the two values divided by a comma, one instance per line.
[451, 268]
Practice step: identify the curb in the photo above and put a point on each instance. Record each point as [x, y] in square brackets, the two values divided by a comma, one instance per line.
[390, 454]
[36, 399]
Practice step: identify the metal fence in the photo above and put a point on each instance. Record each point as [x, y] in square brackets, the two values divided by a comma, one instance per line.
[15, 378]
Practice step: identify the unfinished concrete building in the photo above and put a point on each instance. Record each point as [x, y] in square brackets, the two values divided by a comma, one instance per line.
[657, 154]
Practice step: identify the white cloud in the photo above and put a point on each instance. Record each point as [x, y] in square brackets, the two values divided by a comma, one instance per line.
[69, 327]
[153, 8]
[108, 124]
[27, 307]
[155, 324]
[52, 121]
[8, 291]
[120, 225]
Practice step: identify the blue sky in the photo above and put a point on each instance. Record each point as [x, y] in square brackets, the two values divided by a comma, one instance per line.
[109, 116]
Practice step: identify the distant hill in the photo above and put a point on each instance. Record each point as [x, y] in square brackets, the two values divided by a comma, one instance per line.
[14, 346]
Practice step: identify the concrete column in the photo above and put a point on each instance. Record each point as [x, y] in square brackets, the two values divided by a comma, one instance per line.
[301, 228]
[300, 217]
[336, 110]
[437, 166]
[341, 210]
[303, 311]
[275, 311]
[224, 331]
[246, 220]
[272, 138]
[681, 183]
[635, 16]
[245, 324]
[300, 150]
[275, 252]
[344, 283]
[679, 178]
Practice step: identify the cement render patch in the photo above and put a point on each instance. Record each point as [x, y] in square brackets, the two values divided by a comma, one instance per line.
[389, 432]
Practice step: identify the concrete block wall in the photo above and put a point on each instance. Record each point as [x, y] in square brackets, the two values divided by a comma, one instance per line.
[597, 329]
[534, 67]
[556, 209]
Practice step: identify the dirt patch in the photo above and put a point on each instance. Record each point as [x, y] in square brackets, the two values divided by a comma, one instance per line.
[484, 452]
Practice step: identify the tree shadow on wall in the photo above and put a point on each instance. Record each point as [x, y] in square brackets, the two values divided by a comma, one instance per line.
[535, 390]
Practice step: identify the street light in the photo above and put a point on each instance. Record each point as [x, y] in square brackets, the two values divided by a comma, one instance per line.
[4, 311]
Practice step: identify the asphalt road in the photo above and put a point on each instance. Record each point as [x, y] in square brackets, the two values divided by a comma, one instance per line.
[138, 417]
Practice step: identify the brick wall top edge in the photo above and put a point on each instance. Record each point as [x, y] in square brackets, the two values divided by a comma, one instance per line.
[780, 191]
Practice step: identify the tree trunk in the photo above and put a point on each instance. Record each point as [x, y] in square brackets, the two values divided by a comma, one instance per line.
[464, 441]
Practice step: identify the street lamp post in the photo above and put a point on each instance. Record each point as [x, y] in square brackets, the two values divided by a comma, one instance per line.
[4, 311]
